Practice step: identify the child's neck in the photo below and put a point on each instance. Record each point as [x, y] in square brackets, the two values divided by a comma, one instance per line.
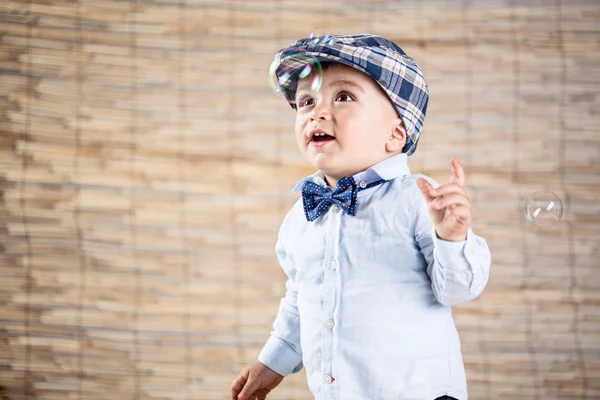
[331, 181]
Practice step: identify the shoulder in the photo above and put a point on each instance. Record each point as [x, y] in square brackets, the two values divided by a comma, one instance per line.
[293, 218]
[406, 193]
[412, 179]
[408, 183]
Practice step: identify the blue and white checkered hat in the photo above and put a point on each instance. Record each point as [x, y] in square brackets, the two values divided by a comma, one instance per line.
[397, 73]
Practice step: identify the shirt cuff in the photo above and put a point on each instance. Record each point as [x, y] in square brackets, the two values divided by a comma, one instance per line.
[454, 255]
[279, 356]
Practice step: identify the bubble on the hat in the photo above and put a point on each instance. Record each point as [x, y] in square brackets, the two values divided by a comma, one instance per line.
[274, 81]
[318, 32]
[283, 78]
[321, 36]
[300, 67]
[543, 209]
[311, 71]
[305, 71]
[278, 81]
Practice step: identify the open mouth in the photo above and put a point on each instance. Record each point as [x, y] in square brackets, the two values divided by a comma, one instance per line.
[321, 137]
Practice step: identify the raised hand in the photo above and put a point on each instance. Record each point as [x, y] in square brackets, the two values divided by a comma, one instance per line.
[449, 205]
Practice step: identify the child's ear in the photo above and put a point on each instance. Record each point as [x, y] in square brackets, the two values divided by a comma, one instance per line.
[397, 138]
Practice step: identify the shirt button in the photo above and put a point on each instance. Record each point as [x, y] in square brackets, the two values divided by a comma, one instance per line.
[362, 184]
[333, 264]
[327, 379]
[336, 208]
[329, 324]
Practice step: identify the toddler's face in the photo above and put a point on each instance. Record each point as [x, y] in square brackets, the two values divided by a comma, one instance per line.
[348, 125]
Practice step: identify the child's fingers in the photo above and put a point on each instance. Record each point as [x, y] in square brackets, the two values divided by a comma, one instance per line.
[236, 387]
[425, 188]
[451, 200]
[247, 392]
[458, 173]
[462, 213]
[447, 189]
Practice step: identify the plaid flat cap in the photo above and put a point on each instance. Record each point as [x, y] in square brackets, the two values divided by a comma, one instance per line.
[384, 61]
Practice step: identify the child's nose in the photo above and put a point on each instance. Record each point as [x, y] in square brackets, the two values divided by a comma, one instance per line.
[321, 111]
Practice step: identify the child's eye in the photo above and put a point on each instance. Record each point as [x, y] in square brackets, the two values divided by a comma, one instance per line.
[305, 101]
[344, 96]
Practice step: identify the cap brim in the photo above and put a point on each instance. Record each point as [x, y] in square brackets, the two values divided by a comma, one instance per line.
[293, 63]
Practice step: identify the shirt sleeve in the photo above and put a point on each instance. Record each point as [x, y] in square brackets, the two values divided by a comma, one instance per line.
[282, 353]
[458, 271]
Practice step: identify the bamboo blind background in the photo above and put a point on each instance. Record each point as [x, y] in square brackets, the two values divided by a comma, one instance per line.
[145, 168]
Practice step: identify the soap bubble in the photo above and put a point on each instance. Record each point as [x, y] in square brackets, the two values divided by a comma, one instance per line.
[321, 36]
[305, 67]
[543, 209]
[275, 82]
[312, 70]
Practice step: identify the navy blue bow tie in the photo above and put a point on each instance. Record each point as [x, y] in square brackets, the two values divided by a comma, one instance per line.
[317, 199]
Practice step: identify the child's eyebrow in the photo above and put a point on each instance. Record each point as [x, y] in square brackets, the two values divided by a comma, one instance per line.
[339, 82]
[344, 82]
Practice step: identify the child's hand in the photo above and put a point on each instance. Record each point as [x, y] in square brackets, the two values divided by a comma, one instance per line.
[449, 205]
[255, 382]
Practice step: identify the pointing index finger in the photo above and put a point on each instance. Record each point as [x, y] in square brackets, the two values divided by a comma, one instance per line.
[458, 173]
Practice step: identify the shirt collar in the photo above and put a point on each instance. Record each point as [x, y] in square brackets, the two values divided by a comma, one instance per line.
[388, 169]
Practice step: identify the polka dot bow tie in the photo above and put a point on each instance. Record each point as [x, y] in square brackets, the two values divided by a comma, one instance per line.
[317, 199]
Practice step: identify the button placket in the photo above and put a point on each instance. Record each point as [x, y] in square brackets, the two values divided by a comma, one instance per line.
[330, 293]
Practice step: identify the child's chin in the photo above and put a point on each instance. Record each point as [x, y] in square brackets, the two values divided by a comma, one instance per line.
[323, 162]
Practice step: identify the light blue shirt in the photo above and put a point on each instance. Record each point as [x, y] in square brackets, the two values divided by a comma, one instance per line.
[367, 305]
